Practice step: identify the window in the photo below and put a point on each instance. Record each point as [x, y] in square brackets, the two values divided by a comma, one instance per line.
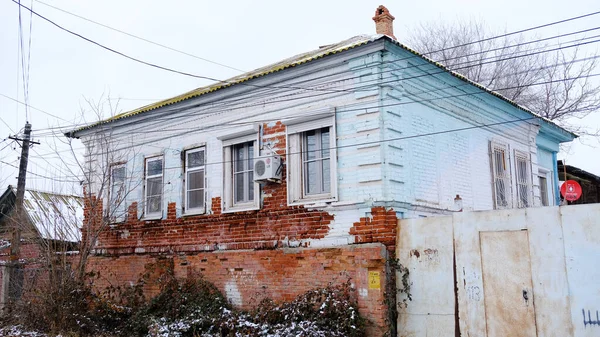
[316, 161]
[194, 181]
[544, 190]
[500, 175]
[154, 186]
[311, 161]
[243, 173]
[523, 186]
[240, 192]
[117, 209]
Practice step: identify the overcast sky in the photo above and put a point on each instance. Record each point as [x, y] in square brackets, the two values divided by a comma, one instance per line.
[65, 71]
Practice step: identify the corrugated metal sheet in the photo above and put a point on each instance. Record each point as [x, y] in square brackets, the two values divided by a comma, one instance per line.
[292, 62]
[55, 216]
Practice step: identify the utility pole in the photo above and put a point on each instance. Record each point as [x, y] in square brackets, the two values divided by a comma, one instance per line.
[15, 281]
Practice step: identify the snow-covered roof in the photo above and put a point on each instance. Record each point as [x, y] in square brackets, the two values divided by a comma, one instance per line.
[296, 60]
[55, 216]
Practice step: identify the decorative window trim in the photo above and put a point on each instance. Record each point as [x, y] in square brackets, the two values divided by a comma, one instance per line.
[155, 215]
[295, 166]
[112, 218]
[227, 201]
[497, 180]
[186, 209]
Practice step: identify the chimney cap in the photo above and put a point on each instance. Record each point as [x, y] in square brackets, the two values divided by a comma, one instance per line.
[384, 22]
[382, 13]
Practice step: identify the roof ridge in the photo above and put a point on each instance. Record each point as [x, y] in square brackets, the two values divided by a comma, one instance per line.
[14, 188]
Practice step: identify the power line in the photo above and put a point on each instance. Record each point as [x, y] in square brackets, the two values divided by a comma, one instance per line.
[480, 126]
[226, 81]
[138, 37]
[34, 108]
[29, 53]
[427, 74]
[379, 81]
[215, 79]
[8, 126]
[139, 60]
[362, 107]
[42, 176]
[203, 129]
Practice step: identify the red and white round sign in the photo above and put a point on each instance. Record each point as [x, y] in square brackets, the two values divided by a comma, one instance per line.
[570, 190]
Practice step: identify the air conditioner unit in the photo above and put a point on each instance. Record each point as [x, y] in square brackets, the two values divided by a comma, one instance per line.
[267, 168]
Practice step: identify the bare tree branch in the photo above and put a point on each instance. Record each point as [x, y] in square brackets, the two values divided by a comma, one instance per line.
[569, 92]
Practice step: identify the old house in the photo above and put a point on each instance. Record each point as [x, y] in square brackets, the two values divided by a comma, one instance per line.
[52, 223]
[294, 175]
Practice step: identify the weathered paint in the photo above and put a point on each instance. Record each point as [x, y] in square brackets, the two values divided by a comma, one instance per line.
[564, 250]
[507, 288]
[425, 248]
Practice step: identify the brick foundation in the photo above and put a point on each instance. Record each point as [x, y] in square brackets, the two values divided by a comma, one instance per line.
[246, 277]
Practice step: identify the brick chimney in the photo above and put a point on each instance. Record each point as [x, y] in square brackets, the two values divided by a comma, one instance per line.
[384, 22]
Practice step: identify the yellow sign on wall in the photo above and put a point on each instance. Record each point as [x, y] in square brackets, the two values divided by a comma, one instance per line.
[374, 280]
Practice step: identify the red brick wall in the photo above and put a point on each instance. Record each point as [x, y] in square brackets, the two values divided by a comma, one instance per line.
[246, 277]
[238, 247]
[270, 227]
[380, 227]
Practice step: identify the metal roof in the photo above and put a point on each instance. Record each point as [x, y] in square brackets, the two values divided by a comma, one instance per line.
[295, 61]
[55, 216]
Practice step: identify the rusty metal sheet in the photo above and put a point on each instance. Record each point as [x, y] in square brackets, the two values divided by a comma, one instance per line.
[507, 286]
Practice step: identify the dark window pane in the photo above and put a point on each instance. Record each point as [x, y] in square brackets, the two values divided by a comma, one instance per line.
[325, 143]
[326, 176]
[195, 159]
[154, 167]
[238, 157]
[238, 187]
[310, 145]
[195, 180]
[154, 203]
[154, 186]
[250, 157]
[250, 186]
[311, 178]
[196, 199]
[118, 174]
[544, 191]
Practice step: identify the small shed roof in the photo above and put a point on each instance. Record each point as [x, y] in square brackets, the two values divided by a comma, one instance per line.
[54, 216]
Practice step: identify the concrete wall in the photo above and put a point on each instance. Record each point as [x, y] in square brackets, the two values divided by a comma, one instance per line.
[446, 252]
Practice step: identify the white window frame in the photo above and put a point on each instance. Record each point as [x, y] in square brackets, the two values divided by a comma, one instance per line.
[504, 178]
[187, 170]
[228, 201]
[121, 206]
[523, 183]
[158, 214]
[295, 168]
[546, 174]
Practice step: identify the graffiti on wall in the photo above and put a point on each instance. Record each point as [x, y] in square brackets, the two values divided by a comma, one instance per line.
[588, 320]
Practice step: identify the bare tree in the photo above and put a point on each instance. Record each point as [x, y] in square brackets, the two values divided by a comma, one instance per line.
[548, 76]
[58, 275]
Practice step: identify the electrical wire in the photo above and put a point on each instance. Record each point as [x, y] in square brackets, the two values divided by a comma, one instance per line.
[227, 81]
[32, 12]
[138, 37]
[140, 60]
[480, 126]
[379, 82]
[42, 176]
